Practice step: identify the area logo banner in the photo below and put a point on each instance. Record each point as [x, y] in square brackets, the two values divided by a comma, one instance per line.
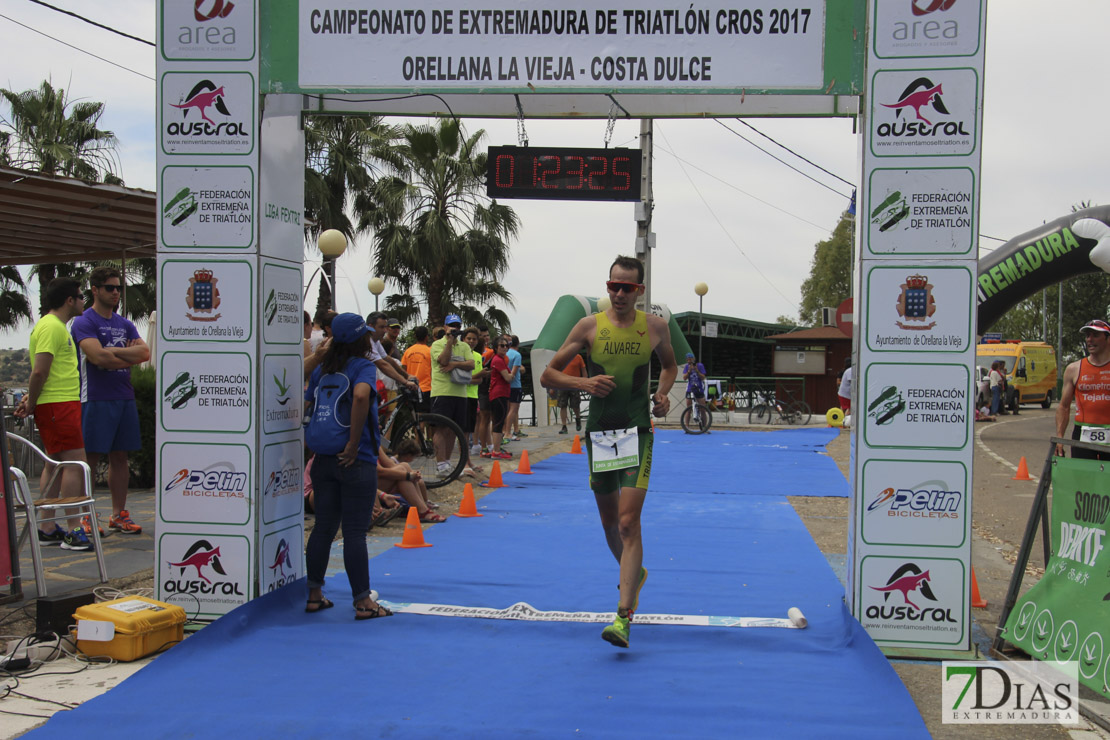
[208, 29]
[926, 28]
[1063, 617]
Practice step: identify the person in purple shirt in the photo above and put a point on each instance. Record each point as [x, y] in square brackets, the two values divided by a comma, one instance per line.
[694, 375]
[108, 346]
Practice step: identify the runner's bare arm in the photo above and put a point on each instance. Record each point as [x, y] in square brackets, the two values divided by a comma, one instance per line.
[579, 338]
[1063, 409]
[661, 339]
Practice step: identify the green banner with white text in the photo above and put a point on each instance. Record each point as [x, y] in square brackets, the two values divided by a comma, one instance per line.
[1066, 615]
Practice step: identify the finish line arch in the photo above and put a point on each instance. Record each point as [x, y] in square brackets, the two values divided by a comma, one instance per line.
[235, 80]
[1071, 245]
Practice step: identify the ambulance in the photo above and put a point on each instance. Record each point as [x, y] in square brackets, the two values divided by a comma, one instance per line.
[1030, 369]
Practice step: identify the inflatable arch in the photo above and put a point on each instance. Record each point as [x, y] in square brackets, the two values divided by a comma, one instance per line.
[565, 314]
[1069, 246]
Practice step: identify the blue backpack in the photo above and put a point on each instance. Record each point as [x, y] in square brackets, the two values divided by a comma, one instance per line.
[329, 425]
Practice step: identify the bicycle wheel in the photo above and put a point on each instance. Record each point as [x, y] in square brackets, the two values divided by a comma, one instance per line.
[692, 425]
[760, 414]
[801, 410]
[423, 433]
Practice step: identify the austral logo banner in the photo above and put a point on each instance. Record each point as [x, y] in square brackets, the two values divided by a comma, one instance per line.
[1066, 615]
[207, 113]
[924, 113]
[913, 601]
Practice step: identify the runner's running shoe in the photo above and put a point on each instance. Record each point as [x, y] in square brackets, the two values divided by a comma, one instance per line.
[122, 522]
[88, 528]
[54, 538]
[617, 632]
[77, 540]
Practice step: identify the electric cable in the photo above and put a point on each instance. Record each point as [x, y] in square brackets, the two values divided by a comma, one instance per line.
[92, 22]
[76, 48]
[727, 234]
[799, 156]
[787, 164]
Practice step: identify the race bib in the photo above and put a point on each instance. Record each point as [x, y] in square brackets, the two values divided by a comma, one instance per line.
[1096, 435]
[615, 449]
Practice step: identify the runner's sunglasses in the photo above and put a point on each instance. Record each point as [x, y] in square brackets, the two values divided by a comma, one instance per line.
[618, 287]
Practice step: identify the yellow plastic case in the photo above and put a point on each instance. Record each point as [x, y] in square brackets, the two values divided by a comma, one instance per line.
[142, 626]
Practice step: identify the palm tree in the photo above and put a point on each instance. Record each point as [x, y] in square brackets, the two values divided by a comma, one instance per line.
[14, 306]
[49, 134]
[449, 247]
[52, 135]
[346, 159]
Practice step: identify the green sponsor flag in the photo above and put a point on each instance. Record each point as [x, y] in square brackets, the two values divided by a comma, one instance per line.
[1066, 615]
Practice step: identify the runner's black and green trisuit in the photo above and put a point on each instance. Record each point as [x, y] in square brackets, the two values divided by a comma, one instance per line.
[624, 353]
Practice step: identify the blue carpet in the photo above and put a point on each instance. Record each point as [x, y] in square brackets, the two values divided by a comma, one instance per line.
[268, 668]
[789, 462]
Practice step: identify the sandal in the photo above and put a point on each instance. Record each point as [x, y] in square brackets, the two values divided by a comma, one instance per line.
[374, 612]
[431, 517]
[317, 605]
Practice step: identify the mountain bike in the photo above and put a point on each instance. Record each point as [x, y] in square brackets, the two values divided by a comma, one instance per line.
[400, 421]
[789, 410]
[697, 418]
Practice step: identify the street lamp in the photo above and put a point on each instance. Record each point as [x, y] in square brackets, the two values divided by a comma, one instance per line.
[376, 286]
[701, 289]
[332, 244]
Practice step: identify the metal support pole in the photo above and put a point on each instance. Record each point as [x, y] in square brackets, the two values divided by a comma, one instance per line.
[701, 327]
[643, 228]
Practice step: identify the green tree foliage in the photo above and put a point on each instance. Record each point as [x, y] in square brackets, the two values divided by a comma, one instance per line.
[830, 273]
[447, 249]
[51, 134]
[44, 131]
[348, 162]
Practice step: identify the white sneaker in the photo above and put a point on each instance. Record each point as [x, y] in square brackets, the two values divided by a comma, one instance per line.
[475, 450]
[443, 467]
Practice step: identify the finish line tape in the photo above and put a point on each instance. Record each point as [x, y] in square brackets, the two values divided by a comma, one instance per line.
[528, 613]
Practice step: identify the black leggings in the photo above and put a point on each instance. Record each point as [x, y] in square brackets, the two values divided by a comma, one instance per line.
[499, 409]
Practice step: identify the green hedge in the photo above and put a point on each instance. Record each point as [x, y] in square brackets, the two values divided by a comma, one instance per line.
[146, 399]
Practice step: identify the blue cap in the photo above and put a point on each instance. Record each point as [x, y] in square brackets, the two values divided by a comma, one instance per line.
[689, 355]
[452, 318]
[347, 327]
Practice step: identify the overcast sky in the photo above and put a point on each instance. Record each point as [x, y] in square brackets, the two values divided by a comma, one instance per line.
[725, 212]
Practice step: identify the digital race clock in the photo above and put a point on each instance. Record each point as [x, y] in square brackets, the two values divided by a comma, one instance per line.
[563, 173]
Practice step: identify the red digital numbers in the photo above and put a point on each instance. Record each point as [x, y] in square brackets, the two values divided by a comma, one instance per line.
[563, 173]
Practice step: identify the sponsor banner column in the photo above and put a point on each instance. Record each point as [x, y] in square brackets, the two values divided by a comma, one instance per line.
[914, 410]
[281, 312]
[208, 360]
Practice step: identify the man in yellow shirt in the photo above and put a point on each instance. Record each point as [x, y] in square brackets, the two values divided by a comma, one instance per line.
[54, 398]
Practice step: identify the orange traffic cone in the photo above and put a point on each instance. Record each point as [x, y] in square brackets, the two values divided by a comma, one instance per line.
[1022, 471]
[576, 446]
[494, 478]
[977, 601]
[414, 533]
[468, 507]
[523, 468]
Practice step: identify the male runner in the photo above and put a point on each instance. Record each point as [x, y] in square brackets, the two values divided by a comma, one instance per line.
[619, 343]
[1088, 381]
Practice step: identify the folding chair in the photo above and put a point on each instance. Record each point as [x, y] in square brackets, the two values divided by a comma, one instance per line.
[33, 511]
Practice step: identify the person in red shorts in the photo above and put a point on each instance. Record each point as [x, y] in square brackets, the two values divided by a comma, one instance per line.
[54, 398]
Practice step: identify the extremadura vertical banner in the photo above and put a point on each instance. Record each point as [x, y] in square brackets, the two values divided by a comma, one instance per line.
[1066, 615]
